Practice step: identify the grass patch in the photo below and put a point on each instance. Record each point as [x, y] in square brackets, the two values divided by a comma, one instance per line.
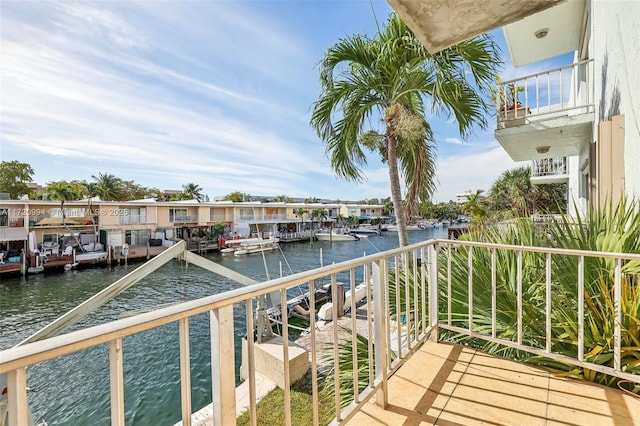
[270, 409]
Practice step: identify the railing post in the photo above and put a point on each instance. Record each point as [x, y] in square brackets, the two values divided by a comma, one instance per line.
[185, 371]
[17, 397]
[433, 292]
[223, 380]
[380, 335]
[116, 370]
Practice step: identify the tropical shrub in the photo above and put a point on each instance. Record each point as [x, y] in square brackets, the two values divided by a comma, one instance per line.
[614, 228]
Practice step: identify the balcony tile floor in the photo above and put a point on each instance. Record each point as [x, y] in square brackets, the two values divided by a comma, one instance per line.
[447, 384]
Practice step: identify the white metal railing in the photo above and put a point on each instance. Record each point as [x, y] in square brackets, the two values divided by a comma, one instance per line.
[127, 219]
[406, 290]
[184, 219]
[276, 216]
[564, 90]
[549, 167]
[218, 218]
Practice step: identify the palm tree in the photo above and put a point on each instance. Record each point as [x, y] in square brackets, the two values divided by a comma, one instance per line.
[319, 214]
[390, 78]
[90, 189]
[300, 213]
[192, 191]
[387, 206]
[62, 191]
[108, 186]
[474, 207]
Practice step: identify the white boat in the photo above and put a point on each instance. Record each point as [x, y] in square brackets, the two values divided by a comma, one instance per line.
[91, 256]
[256, 248]
[335, 235]
[394, 228]
[364, 231]
[249, 245]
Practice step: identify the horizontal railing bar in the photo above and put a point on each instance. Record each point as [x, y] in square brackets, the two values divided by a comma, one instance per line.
[538, 113]
[549, 71]
[536, 351]
[56, 346]
[573, 252]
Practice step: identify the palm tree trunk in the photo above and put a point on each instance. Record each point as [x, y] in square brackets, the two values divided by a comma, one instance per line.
[64, 223]
[396, 194]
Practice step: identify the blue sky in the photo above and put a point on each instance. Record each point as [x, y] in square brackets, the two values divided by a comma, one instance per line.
[217, 93]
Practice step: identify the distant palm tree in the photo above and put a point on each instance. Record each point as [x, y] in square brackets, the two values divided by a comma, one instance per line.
[108, 186]
[319, 214]
[62, 191]
[387, 206]
[475, 207]
[391, 78]
[300, 213]
[192, 191]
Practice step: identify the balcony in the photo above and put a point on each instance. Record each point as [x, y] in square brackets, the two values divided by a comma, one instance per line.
[415, 299]
[184, 219]
[133, 219]
[549, 170]
[218, 218]
[547, 114]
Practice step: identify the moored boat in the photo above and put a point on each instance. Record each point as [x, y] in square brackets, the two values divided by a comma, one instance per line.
[335, 235]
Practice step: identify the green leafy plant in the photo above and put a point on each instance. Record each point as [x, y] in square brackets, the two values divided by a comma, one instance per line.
[613, 228]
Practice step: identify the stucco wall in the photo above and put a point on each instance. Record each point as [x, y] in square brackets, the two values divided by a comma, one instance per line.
[614, 44]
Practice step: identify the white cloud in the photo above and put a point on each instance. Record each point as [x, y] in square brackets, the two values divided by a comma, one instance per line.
[456, 141]
[457, 173]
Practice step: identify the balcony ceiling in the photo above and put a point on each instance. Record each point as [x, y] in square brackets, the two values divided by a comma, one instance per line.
[565, 137]
[440, 24]
[563, 25]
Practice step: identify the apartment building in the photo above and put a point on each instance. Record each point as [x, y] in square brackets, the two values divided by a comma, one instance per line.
[577, 122]
[113, 223]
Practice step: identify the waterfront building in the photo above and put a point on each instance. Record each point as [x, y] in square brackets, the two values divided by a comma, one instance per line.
[146, 227]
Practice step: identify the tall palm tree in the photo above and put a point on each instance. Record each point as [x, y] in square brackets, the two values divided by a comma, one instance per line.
[390, 79]
[192, 191]
[108, 186]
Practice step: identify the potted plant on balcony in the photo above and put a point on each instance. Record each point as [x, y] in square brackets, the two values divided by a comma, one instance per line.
[506, 97]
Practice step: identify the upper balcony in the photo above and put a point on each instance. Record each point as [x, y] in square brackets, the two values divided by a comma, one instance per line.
[184, 219]
[549, 170]
[548, 114]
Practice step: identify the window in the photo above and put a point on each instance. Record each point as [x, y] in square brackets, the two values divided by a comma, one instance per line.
[137, 237]
[134, 215]
[246, 213]
[177, 215]
[50, 238]
[4, 217]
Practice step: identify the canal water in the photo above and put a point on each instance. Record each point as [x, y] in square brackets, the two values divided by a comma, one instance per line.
[74, 389]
